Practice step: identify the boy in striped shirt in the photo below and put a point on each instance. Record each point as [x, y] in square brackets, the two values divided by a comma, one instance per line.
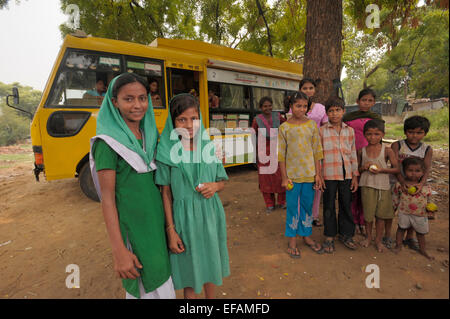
[340, 172]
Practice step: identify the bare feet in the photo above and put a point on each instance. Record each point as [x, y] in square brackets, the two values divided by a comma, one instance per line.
[365, 243]
[397, 249]
[424, 253]
[380, 247]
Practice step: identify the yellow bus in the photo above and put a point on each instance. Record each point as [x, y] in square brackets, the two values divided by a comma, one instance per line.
[228, 83]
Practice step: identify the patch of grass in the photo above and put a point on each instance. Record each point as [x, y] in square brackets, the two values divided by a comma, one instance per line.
[16, 157]
[9, 160]
[438, 135]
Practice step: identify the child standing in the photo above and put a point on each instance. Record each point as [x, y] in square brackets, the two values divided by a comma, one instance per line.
[412, 208]
[318, 114]
[356, 120]
[340, 172]
[415, 128]
[269, 184]
[374, 183]
[122, 168]
[191, 175]
[299, 155]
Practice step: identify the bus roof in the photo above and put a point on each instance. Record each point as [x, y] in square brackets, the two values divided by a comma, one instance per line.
[214, 51]
[191, 51]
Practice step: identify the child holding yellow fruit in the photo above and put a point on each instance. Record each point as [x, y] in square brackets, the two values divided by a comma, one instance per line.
[413, 208]
[416, 128]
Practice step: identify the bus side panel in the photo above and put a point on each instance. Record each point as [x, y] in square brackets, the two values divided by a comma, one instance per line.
[62, 154]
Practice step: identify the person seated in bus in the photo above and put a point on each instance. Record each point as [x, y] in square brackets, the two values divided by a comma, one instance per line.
[154, 92]
[213, 99]
[98, 91]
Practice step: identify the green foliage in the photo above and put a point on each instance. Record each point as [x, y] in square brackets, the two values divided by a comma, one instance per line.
[438, 134]
[15, 125]
[133, 20]
[407, 54]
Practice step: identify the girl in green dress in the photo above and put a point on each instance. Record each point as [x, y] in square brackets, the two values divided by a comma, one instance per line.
[191, 175]
[122, 166]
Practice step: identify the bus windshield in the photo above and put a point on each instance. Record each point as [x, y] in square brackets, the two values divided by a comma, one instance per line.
[83, 79]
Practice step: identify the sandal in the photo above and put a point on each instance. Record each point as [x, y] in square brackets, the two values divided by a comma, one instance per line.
[348, 242]
[412, 243]
[317, 223]
[388, 242]
[314, 248]
[328, 246]
[291, 254]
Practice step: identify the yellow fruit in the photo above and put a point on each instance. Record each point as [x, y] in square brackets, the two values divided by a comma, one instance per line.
[412, 190]
[290, 186]
[432, 207]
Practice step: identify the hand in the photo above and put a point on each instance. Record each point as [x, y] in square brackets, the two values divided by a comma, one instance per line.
[375, 171]
[208, 189]
[285, 182]
[354, 185]
[319, 184]
[366, 166]
[419, 187]
[406, 186]
[175, 243]
[125, 264]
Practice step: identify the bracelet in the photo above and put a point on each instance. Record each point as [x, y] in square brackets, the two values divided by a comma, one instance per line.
[170, 226]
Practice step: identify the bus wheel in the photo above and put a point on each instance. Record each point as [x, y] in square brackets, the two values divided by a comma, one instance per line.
[86, 182]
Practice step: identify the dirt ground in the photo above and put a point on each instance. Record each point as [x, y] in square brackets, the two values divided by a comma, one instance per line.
[46, 226]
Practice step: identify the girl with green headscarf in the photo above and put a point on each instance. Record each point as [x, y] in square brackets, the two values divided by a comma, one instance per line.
[122, 166]
[191, 175]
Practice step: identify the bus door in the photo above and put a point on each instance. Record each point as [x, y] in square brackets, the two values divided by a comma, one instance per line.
[185, 77]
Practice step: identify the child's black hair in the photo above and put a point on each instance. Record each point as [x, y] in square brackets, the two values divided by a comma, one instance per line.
[265, 99]
[127, 78]
[308, 80]
[180, 103]
[416, 121]
[290, 100]
[366, 92]
[413, 161]
[334, 101]
[378, 124]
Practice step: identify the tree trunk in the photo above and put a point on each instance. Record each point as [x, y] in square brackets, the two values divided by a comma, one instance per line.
[323, 49]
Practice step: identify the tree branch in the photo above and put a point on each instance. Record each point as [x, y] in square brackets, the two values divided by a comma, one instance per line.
[158, 28]
[269, 39]
[408, 65]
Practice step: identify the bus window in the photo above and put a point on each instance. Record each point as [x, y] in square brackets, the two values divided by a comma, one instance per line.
[82, 79]
[66, 123]
[152, 71]
[183, 81]
[276, 95]
[213, 95]
[234, 97]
